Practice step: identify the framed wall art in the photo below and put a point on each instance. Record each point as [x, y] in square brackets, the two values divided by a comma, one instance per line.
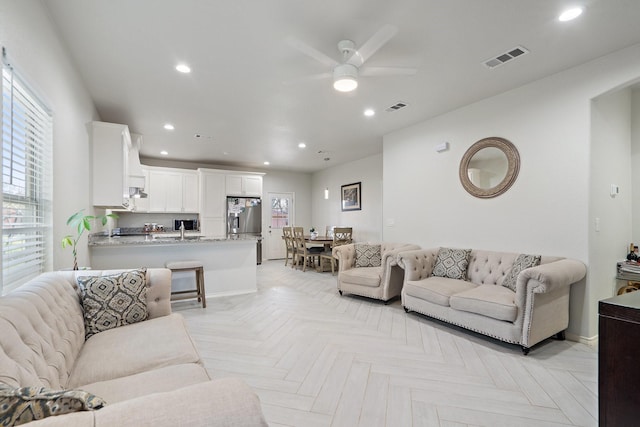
[351, 197]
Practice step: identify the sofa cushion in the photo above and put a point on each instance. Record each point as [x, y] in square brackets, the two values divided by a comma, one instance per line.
[368, 255]
[24, 404]
[452, 263]
[158, 380]
[522, 261]
[143, 346]
[112, 301]
[489, 300]
[365, 276]
[437, 290]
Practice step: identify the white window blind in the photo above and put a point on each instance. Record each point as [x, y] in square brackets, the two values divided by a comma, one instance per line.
[26, 183]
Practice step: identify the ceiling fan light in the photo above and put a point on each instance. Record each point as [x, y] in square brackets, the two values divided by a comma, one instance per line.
[345, 77]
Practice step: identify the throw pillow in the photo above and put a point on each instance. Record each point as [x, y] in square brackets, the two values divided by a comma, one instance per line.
[112, 301]
[22, 405]
[452, 263]
[522, 261]
[368, 255]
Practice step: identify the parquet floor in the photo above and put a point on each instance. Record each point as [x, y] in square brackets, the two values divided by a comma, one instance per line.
[318, 359]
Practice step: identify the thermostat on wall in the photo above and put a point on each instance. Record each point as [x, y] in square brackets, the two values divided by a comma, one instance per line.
[615, 190]
[442, 147]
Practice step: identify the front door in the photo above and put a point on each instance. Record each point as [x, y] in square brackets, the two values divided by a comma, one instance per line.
[280, 215]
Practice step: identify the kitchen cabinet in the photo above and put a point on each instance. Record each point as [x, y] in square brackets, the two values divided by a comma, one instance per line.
[212, 203]
[110, 159]
[244, 185]
[173, 190]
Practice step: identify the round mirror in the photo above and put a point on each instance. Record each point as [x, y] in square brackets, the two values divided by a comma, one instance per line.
[489, 167]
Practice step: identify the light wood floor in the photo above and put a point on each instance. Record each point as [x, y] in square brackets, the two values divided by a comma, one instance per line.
[318, 359]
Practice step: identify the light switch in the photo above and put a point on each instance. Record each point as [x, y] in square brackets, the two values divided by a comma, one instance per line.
[391, 222]
[597, 224]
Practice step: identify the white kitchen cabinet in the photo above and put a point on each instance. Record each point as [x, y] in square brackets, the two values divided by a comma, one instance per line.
[110, 151]
[244, 185]
[190, 193]
[173, 190]
[212, 203]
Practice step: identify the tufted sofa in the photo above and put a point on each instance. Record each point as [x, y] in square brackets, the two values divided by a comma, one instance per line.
[149, 373]
[538, 309]
[383, 282]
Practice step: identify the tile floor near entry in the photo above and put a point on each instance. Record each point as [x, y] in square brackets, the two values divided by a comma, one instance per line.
[318, 359]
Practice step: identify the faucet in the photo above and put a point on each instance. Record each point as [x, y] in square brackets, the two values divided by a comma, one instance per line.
[181, 230]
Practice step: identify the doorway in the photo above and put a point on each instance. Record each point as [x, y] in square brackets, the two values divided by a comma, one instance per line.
[280, 215]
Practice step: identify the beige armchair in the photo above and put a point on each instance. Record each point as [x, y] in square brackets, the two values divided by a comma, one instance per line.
[383, 282]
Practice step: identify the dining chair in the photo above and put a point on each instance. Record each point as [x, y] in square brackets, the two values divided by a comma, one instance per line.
[341, 236]
[308, 254]
[287, 233]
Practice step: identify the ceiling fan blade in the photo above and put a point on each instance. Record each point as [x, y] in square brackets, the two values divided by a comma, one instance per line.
[387, 71]
[309, 78]
[371, 46]
[311, 52]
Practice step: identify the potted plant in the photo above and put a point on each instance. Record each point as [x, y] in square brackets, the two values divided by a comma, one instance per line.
[81, 223]
[314, 233]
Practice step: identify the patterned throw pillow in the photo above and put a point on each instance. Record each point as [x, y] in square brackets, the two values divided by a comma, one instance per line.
[368, 255]
[22, 405]
[523, 261]
[112, 301]
[452, 263]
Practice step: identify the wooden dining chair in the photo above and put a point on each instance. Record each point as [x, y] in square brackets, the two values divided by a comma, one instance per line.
[308, 254]
[287, 233]
[341, 236]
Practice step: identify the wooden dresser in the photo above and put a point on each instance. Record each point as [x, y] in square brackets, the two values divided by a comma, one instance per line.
[619, 360]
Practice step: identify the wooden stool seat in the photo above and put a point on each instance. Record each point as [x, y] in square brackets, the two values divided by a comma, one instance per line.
[198, 292]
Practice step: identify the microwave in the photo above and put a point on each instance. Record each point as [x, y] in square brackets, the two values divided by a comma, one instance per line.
[189, 224]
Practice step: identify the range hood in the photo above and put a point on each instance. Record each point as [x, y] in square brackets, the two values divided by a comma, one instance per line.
[135, 176]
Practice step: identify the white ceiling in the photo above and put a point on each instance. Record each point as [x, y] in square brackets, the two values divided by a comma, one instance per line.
[250, 94]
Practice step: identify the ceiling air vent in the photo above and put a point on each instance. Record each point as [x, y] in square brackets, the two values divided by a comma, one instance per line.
[396, 107]
[505, 57]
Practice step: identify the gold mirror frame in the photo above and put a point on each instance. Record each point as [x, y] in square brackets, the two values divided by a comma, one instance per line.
[513, 160]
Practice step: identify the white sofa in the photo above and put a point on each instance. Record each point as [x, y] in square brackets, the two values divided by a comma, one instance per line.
[383, 282]
[149, 373]
[538, 309]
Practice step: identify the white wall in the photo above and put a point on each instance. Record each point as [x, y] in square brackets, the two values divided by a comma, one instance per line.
[635, 165]
[366, 223]
[38, 56]
[610, 164]
[547, 209]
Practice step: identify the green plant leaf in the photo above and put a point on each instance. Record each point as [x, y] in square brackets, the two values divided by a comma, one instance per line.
[67, 241]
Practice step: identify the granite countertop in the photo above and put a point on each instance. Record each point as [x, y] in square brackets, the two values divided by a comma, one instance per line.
[159, 239]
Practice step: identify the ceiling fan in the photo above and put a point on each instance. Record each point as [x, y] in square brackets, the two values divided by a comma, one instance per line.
[346, 72]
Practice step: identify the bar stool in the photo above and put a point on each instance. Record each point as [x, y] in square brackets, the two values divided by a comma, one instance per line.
[198, 292]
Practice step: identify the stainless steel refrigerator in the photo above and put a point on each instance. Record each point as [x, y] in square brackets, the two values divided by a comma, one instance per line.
[244, 220]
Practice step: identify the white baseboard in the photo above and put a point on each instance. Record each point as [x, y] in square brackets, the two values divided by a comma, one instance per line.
[590, 341]
[229, 293]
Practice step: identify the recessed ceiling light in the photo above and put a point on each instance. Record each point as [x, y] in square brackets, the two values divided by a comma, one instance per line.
[164, 153]
[302, 145]
[267, 163]
[183, 68]
[369, 112]
[570, 14]
[169, 126]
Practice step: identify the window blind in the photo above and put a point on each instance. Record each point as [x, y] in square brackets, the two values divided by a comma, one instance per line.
[26, 183]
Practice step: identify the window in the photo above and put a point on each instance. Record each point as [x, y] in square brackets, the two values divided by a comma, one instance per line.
[26, 183]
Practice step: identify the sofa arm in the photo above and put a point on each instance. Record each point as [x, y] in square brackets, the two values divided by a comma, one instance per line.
[417, 264]
[551, 276]
[346, 256]
[223, 402]
[390, 252]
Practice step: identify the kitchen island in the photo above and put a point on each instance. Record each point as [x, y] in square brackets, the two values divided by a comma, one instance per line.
[229, 265]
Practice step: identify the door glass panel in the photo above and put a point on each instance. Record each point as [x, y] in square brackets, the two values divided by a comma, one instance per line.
[279, 212]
